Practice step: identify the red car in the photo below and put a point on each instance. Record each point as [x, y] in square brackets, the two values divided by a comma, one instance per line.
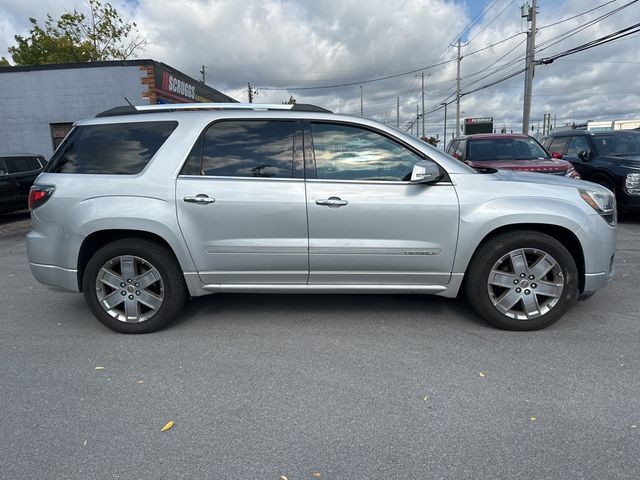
[508, 152]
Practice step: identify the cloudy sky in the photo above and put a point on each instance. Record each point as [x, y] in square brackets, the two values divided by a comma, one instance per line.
[289, 47]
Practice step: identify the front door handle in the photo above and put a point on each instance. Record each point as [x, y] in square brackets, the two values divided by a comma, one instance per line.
[332, 202]
[200, 198]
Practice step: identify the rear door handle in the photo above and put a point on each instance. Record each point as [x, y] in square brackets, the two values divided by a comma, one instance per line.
[332, 202]
[200, 198]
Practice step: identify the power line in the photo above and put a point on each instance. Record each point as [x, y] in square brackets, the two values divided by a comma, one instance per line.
[593, 43]
[576, 16]
[493, 20]
[569, 33]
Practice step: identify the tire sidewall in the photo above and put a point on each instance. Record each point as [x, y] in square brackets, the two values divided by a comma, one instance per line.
[490, 252]
[160, 258]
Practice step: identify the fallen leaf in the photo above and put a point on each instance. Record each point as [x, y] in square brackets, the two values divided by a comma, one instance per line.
[533, 419]
[425, 397]
[282, 477]
[634, 426]
[168, 425]
[140, 382]
[99, 368]
[317, 474]
[481, 374]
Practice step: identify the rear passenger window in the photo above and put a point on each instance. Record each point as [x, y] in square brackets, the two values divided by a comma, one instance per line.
[123, 148]
[246, 148]
[21, 164]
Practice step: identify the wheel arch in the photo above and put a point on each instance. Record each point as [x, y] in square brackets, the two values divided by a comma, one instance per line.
[565, 236]
[98, 239]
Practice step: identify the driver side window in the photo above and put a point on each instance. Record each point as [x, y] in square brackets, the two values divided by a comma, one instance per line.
[344, 152]
[577, 145]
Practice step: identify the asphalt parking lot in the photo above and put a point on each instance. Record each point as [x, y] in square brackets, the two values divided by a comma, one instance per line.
[331, 387]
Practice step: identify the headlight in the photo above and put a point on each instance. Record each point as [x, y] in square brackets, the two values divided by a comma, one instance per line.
[571, 173]
[632, 183]
[601, 202]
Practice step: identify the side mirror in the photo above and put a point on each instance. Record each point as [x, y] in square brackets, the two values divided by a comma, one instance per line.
[585, 155]
[425, 172]
[557, 155]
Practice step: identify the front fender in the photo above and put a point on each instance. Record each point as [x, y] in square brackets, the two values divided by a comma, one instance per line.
[477, 222]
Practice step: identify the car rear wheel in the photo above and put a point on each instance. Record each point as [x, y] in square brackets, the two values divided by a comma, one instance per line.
[522, 280]
[134, 286]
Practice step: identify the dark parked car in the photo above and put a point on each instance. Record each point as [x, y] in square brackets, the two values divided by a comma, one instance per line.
[609, 158]
[17, 173]
[507, 152]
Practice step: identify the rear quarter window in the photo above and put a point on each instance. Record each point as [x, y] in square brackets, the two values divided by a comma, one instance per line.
[120, 149]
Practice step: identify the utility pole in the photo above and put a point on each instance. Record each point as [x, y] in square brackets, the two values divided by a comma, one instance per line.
[444, 135]
[458, 92]
[423, 105]
[417, 124]
[529, 12]
[203, 73]
[397, 112]
[249, 92]
[361, 103]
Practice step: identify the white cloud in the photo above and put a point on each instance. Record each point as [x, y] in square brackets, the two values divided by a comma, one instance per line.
[285, 43]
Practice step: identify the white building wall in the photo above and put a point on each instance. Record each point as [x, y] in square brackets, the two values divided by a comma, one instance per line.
[32, 100]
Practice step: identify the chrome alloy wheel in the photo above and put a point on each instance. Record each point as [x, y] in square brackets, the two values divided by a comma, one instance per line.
[129, 289]
[525, 283]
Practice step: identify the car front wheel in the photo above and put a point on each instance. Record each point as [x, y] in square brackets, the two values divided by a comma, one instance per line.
[522, 280]
[134, 286]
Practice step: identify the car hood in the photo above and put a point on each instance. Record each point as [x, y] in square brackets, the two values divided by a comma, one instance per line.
[533, 165]
[544, 179]
[626, 161]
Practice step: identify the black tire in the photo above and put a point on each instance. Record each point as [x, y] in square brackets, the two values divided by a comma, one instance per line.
[144, 256]
[484, 284]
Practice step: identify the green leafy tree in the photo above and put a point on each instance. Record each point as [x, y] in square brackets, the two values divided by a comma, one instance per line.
[291, 101]
[75, 37]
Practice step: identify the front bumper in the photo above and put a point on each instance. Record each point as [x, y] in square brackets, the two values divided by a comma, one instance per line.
[598, 241]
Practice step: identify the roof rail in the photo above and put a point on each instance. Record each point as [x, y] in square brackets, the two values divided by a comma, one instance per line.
[172, 107]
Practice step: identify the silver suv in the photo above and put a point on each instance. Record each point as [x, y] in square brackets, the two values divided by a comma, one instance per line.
[142, 207]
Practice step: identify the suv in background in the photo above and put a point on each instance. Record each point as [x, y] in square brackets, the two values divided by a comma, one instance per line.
[17, 174]
[145, 206]
[609, 158]
[507, 152]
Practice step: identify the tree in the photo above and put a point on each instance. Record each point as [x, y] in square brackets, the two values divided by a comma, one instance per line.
[76, 37]
[431, 140]
[291, 101]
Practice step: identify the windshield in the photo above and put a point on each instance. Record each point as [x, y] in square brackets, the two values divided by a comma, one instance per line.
[493, 149]
[624, 145]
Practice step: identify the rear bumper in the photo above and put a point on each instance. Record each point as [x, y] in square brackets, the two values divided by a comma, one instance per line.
[56, 276]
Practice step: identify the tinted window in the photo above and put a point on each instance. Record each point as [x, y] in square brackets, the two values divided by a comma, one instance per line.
[577, 145]
[618, 145]
[123, 148]
[343, 152]
[505, 149]
[21, 164]
[559, 144]
[460, 150]
[245, 148]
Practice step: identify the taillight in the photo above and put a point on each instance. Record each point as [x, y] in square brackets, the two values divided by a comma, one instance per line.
[39, 194]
